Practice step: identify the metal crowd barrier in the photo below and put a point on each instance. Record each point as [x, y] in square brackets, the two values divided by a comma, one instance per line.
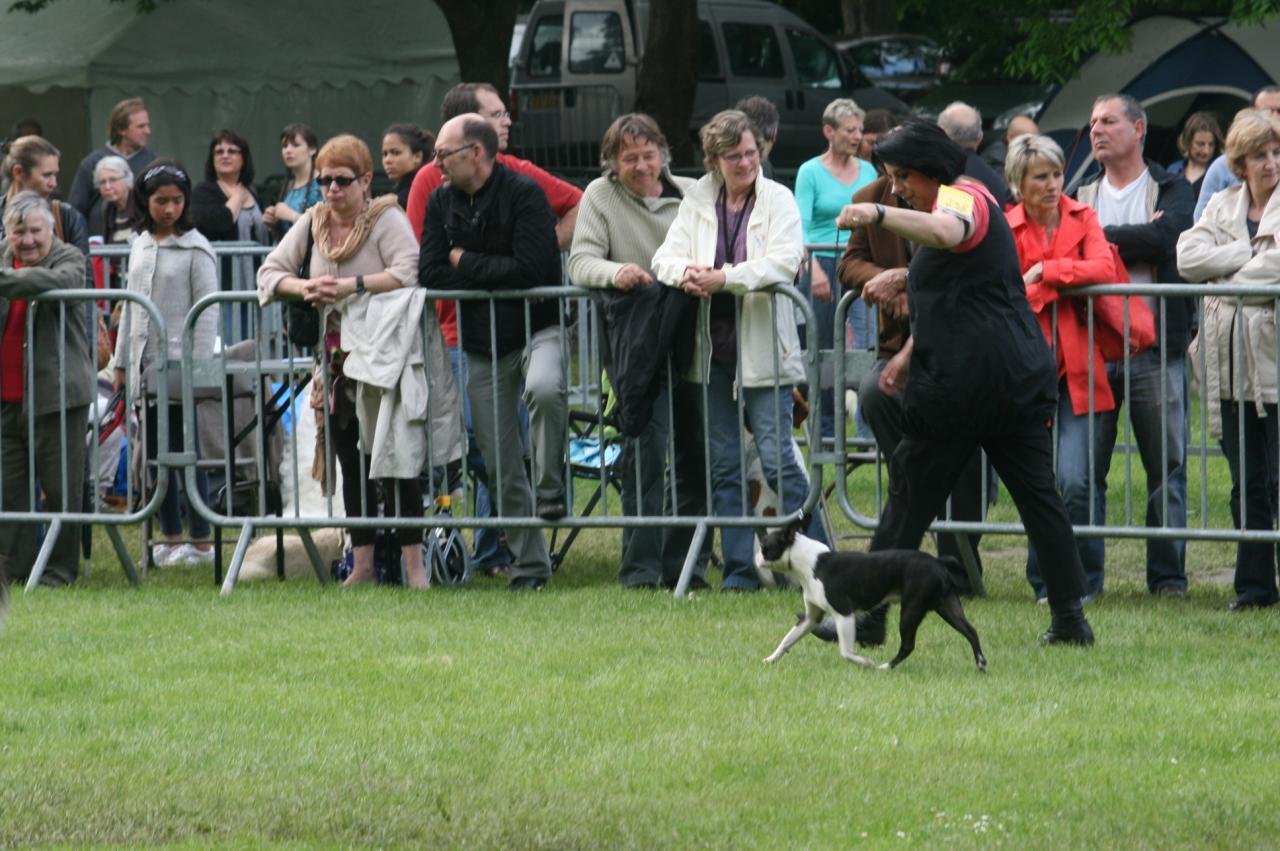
[272, 360]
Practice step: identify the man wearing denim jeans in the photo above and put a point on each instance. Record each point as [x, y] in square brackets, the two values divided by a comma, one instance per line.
[1142, 210]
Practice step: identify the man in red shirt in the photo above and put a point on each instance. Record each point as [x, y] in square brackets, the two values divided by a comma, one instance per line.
[564, 197]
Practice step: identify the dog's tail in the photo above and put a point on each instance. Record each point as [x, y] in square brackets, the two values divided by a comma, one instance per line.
[957, 574]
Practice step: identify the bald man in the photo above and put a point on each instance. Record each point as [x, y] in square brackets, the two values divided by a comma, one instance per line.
[995, 153]
[963, 125]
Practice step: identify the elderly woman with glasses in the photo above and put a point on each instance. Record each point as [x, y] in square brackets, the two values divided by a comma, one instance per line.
[736, 234]
[1237, 241]
[113, 179]
[46, 386]
[388, 394]
[624, 216]
[1061, 245]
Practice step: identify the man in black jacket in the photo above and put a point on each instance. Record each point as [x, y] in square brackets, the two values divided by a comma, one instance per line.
[488, 228]
[1142, 210]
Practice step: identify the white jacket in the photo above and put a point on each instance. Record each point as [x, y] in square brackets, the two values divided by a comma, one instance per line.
[775, 248]
[395, 403]
[1218, 251]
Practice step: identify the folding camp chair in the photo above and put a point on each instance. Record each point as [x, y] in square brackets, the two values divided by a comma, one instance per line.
[594, 455]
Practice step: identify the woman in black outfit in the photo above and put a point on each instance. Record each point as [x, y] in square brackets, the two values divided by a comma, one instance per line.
[976, 370]
[225, 207]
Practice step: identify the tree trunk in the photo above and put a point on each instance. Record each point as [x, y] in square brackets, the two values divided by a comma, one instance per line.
[481, 32]
[668, 73]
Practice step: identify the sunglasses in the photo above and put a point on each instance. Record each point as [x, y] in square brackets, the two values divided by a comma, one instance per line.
[343, 182]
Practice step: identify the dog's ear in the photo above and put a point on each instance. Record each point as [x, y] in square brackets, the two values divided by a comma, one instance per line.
[797, 526]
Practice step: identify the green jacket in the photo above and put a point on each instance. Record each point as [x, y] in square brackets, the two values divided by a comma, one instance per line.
[62, 269]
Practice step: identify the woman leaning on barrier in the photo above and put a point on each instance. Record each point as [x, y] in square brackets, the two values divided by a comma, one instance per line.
[41, 377]
[173, 265]
[364, 267]
[1237, 241]
[625, 215]
[977, 370]
[1061, 245]
[736, 233]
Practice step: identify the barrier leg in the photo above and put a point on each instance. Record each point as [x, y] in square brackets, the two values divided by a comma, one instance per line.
[313, 554]
[46, 550]
[965, 545]
[237, 560]
[122, 553]
[686, 572]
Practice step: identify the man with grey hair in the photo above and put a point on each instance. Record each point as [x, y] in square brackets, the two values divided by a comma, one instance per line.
[1219, 177]
[46, 386]
[764, 115]
[963, 125]
[489, 228]
[1142, 210]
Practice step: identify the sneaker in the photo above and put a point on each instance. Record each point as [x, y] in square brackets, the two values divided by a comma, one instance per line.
[195, 556]
[163, 555]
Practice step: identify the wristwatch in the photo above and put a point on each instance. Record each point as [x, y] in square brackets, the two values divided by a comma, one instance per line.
[879, 213]
[360, 290]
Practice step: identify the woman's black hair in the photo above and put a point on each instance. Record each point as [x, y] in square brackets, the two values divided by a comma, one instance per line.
[157, 174]
[922, 146]
[419, 141]
[246, 159]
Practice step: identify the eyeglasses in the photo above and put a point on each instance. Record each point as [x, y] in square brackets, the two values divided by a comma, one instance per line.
[497, 114]
[342, 180]
[225, 152]
[734, 159]
[442, 155]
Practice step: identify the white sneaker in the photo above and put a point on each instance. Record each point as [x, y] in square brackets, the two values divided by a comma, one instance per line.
[163, 555]
[195, 556]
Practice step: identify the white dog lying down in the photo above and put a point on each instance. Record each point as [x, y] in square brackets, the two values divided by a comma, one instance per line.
[260, 559]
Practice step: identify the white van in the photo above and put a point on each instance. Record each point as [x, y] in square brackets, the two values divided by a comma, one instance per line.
[576, 71]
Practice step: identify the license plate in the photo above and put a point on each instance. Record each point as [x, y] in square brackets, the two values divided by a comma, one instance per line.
[545, 100]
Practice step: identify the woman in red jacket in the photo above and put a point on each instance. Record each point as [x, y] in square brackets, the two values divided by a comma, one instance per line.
[1060, 244]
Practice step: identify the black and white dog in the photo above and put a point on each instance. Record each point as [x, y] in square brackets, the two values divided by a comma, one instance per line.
[842, 584]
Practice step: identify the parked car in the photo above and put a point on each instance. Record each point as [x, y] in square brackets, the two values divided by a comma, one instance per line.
[576, 71]
[906, 65]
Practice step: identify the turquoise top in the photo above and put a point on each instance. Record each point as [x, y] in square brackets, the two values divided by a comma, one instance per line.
[821, 197]
[300, 199]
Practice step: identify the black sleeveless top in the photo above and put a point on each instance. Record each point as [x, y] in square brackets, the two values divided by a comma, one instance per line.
[980, 362]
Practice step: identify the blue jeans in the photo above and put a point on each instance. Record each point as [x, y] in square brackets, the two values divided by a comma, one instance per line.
[1086, 505]
[1166, 469]
[1255, 562]
[488, 549]
[768, 412]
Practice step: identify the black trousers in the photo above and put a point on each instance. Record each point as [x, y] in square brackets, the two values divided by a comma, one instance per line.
[883, 414]
[360, 496]
[924, 470]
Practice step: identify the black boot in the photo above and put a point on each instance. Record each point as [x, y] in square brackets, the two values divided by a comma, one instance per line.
[870, 627]
[1068, 625]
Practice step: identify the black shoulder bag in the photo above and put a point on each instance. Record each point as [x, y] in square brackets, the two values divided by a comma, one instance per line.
[303, 319]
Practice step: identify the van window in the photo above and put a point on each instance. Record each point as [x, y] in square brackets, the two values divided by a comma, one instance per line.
[595, 43]
[753, 50]
[708, 56]
[816, 64]
[544, 54]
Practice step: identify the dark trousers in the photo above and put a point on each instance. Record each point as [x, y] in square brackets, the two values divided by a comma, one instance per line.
[170, 510]
[360, 495]
[883, 413]
[652, 555]
[1255, 562]
[924, 470]
[57, 459]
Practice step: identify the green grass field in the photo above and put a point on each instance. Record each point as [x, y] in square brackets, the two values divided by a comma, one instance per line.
[586, 716]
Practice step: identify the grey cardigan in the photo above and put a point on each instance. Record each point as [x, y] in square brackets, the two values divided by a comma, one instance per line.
[62, 269]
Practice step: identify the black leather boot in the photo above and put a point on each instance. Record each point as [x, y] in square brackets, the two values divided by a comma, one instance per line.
[870, 627]
[1068, 625]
